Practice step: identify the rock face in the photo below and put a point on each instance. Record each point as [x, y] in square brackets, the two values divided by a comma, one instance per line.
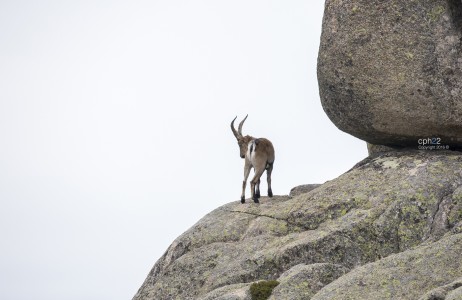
[303, 281]
[389, 72]
[390, 228]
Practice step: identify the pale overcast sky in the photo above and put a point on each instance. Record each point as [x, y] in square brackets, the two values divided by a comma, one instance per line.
[115, 137]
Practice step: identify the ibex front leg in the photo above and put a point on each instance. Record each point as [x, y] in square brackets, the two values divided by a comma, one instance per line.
[247, 168]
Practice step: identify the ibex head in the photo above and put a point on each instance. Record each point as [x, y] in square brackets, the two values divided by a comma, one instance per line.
[242, 141]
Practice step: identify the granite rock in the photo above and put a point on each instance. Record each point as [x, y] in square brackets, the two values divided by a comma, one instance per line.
[389, 71]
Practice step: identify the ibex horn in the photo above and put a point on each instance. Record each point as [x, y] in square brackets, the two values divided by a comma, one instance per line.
[240, 125]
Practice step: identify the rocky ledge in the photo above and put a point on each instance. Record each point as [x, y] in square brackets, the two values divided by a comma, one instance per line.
[390, 228]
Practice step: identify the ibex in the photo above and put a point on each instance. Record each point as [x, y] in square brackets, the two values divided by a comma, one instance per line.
[258, 154]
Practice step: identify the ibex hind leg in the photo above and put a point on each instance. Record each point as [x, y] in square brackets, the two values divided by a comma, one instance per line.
[247, 168]
[243, 193]
[257, 189]
[254, 183]
[269, 169]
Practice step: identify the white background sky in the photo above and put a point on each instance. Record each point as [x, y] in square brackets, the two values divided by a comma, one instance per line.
[115, 137]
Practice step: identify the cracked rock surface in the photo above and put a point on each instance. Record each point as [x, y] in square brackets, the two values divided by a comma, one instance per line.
[390, 228]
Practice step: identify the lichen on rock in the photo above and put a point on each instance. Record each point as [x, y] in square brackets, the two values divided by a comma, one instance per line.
[304, 281]
[389, 71]
[389, 213]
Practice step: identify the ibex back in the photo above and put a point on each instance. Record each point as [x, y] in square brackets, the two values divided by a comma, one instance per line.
[258, 154]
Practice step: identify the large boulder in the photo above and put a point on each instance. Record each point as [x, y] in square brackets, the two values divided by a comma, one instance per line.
[373, 229]
[389, 72]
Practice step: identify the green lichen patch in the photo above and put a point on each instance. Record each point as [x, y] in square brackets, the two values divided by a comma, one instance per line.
[262, 290]
[435, 13]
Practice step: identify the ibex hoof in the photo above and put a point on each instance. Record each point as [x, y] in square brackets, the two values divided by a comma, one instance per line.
[242, 200]
[255, 199]
[257, 194]
[270, 193]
